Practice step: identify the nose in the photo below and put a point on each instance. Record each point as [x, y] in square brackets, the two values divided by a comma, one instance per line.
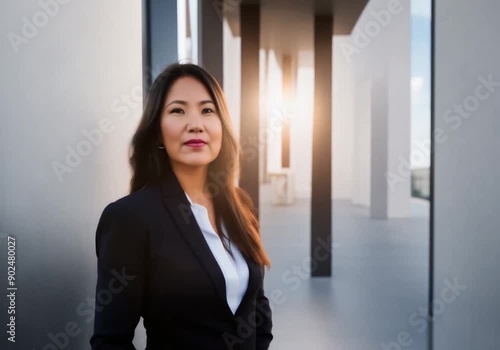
[195, 123]
[195, 128]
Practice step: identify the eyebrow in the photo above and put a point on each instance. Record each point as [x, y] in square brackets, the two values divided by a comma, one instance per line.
[185, 103]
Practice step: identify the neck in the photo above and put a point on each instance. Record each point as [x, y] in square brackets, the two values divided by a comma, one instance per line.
[193, 180]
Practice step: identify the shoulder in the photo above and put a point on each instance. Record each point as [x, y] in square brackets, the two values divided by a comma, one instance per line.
[122, 229]
[136, 204]
[128, 218]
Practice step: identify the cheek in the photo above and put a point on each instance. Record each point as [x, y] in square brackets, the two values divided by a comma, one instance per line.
[217, 131]
[170, 130]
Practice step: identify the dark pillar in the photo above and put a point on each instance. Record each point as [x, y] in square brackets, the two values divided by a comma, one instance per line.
[210, 39]
[249, 124]
[159, 37]
[286, 67]
[321, 196]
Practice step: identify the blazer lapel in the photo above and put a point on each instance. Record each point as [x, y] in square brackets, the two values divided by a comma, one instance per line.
[183, 217]
[180, 210]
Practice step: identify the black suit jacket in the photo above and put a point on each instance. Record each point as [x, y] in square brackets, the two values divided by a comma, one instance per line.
[154, 262]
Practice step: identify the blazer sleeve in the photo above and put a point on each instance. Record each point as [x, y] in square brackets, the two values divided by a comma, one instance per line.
[264, 328]
[120, 249]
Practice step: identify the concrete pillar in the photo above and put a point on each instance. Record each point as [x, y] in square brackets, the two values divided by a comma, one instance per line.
[210, 36]
[249, 123]
[344, 101]
[379, 205]
[321, 196]
[391, 123]
[466, 173]
[361, 144]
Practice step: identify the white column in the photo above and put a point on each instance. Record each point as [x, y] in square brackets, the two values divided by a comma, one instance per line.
[399, 123]
[386, 63]
[342, 139]
[361, 144]
[379, 199]
[466, 175]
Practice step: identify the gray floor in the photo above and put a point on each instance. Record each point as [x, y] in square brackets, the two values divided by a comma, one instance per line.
[380, 278]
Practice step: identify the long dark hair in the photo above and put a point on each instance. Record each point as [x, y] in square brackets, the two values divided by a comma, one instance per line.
[232, 204]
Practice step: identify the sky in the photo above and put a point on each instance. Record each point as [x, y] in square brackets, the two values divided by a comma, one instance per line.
[420, 81]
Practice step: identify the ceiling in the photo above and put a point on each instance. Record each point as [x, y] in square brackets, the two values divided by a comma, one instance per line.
[287, 25]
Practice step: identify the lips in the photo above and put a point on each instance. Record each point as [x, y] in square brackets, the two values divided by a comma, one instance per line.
[195, 142]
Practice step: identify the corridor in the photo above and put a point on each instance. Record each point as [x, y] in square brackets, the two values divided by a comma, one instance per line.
[380, 277]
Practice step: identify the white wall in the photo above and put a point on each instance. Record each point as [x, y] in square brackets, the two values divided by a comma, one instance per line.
[399, 123]
[67, 77]
[361, 148]
[467, 173]
[380, 45]
[273, 111]
[343, 122]
[301, 127]
[232, 74]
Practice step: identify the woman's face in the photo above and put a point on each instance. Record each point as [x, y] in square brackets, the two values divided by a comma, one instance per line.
[189, 114]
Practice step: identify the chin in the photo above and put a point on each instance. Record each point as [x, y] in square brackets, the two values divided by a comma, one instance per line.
[196, 163]
[198, 160]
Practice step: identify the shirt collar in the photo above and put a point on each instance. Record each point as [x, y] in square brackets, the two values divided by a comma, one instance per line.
[189, 199]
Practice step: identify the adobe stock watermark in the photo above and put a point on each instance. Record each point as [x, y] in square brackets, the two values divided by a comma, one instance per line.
[362, 37]
[421, 318]
[88, 308]
[121, 108]
[455, 116]
[31, 26]
[247, 327]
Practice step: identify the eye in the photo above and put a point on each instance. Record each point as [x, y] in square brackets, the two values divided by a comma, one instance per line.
[210, 110]
[176, 111]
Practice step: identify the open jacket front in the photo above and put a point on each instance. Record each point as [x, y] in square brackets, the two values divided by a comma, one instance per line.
[154, 262]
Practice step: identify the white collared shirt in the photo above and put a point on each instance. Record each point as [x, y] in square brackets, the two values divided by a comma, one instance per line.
[235, 270]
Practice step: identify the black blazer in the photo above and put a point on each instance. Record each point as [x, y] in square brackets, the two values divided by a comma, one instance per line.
[154, 262]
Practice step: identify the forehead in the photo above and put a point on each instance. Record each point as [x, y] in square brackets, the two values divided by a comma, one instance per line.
[188, 88]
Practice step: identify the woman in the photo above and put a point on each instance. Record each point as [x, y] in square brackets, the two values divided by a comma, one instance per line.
[183, 249]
